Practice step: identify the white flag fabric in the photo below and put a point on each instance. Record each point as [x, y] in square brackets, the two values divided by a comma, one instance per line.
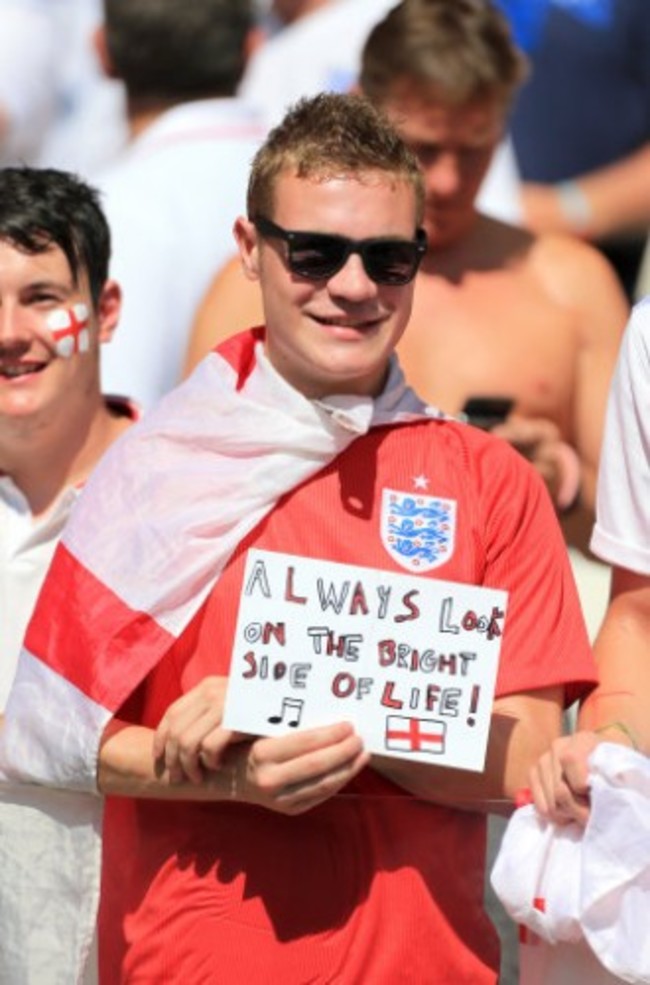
[588, 888]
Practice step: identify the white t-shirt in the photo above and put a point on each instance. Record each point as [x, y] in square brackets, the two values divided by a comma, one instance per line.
[322, 52]
[319, 52]
[171, 199]
[26, 549]
[622, 532]
[27, 546]
[27, 66]
[89, 126]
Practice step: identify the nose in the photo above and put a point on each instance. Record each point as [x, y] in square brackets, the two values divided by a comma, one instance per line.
[15, 337]
[443, 175]
[351, 282]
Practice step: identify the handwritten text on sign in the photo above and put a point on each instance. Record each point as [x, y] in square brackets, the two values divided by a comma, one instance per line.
[411, 661]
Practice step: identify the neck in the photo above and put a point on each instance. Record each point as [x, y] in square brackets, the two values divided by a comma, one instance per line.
[488, 244]
[305, 9]
[143, 114]
[140, 118]
[44, 457]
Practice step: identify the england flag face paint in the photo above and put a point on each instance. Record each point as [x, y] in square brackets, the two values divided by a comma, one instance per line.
[69, 329]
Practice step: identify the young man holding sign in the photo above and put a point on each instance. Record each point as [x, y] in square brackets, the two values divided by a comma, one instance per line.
[296, 473]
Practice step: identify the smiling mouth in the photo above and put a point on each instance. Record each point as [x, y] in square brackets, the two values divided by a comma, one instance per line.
[346, 323]
[16, 371]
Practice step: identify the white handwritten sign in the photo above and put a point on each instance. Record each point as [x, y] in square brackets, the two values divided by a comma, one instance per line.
[411, 661]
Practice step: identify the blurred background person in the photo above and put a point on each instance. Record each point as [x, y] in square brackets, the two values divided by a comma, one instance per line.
[581, 124]
[321, 51]
[172, 195]
[274, 15]
[57, 108]
[27, 66]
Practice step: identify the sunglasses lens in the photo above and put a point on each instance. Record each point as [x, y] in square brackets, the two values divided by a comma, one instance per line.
[391, 262]
[316, 257]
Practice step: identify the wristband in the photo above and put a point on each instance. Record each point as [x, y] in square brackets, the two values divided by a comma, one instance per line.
[523, 797]
[569, 488]
[621, 727]
[574, 205]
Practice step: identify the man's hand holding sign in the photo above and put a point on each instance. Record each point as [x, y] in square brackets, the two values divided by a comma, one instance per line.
[343, 655]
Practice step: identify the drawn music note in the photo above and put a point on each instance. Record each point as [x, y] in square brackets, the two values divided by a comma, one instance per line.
[291, 709]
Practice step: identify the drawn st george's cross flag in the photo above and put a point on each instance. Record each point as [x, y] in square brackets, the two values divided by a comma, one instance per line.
[158, 520]
[404, 734]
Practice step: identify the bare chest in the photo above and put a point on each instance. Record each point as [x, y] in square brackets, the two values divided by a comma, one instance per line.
[493, 334]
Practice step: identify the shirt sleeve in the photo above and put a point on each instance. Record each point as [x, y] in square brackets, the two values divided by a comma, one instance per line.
[622, 532]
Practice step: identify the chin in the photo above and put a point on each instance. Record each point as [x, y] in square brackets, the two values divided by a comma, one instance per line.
[356, 380]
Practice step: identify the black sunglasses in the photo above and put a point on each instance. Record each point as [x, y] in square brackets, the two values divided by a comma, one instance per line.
[317, 256]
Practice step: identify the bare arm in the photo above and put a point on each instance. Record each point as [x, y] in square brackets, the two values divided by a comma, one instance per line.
[190, 757]
[622, 651]
[540, 441]
[232, 304]
[523, 725]
[584, 284]
[616, 711]
[289, 774]
[602, 203]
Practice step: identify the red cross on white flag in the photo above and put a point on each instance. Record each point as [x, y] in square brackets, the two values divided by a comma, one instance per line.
[415, 734]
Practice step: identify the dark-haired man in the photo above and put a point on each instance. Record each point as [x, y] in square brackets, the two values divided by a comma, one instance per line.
[57, 306]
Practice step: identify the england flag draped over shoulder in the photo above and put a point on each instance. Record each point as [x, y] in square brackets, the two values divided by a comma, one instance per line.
[148, 539]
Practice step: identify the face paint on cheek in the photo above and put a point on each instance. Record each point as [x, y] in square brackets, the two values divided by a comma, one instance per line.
[69, 329]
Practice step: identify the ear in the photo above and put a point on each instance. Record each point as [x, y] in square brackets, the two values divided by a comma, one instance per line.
[246, 236]
[100, 45]
[108, 310]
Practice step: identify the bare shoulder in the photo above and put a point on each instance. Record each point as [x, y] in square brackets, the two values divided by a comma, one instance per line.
[569, 269]
[576, 273]
[233, 293]
[231, 304]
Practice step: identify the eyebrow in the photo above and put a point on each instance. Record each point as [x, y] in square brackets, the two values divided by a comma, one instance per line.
[67, 287]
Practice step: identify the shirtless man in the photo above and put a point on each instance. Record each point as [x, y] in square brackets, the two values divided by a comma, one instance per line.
[497, 310]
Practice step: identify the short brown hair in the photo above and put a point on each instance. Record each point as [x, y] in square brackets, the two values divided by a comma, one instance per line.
[454, 50]
[330, 135]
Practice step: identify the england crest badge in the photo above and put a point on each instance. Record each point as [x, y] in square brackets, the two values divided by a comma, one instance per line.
[418, 531]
